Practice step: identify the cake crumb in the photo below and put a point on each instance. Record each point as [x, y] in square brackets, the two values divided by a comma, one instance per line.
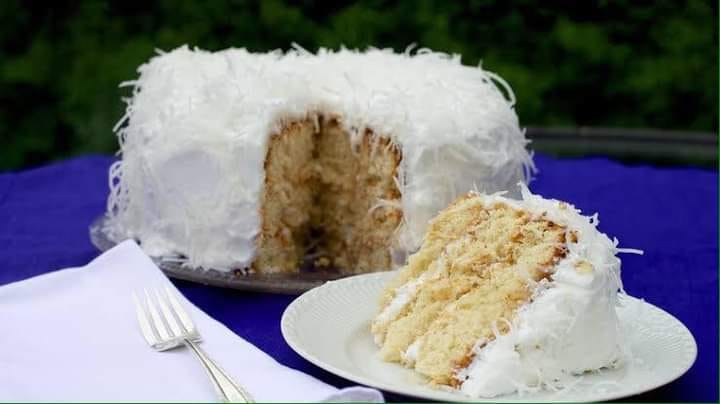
[583, 267]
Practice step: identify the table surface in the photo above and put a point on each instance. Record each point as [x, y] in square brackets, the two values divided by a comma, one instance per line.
[669, 212]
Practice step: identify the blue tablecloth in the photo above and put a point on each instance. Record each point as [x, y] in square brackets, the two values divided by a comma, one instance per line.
[670, 213]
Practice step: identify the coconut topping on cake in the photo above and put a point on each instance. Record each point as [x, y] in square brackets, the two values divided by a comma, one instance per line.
[224, 154]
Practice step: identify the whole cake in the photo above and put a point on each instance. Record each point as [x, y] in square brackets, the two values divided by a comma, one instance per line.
[242, 161]
[505, 295]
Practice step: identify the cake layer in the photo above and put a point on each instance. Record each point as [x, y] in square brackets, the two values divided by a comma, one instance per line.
[288, 198]
[358, 209]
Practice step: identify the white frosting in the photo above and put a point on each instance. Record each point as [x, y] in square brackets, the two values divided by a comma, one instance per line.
[569, 327]
[410, 355]
[196, 130]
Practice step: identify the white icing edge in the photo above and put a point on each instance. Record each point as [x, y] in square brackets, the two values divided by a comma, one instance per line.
[195, 133]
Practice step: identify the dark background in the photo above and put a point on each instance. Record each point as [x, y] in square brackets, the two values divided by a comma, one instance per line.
[606, 64]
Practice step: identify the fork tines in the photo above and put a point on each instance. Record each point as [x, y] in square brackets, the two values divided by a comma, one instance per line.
[167, 327]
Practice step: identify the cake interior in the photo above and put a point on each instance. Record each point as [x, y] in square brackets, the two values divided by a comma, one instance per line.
[477, 266]
[328, 198]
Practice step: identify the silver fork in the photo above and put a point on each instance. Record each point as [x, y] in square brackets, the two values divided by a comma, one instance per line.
[171, 327]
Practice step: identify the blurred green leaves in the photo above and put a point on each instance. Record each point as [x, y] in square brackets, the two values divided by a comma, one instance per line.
[615, 63]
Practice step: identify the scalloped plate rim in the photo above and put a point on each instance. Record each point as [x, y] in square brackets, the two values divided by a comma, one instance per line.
[305, 302]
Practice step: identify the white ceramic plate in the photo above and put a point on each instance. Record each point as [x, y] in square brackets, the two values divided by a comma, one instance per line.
[330, 327]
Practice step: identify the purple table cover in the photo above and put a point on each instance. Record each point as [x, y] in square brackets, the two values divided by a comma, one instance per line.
[669, 212]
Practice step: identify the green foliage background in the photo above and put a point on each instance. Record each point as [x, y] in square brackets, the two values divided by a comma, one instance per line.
[606, 63]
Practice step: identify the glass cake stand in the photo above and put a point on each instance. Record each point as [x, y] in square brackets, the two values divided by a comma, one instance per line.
[292, 284]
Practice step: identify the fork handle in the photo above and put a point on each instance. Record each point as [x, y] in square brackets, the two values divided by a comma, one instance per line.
[226, 388]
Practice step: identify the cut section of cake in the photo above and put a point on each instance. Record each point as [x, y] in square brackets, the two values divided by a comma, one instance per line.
[505, 295]
[326, 198]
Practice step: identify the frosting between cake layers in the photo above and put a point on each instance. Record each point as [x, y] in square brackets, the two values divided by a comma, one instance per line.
[570, 325]
[195, 133]
[405, 293]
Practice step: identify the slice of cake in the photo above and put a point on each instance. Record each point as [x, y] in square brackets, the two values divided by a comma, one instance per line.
[504, 295]
[245, 161]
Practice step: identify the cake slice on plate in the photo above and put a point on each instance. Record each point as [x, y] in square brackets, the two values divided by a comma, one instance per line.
[505, 295]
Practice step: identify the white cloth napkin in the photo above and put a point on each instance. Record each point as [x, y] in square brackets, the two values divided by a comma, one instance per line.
[72, 335]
